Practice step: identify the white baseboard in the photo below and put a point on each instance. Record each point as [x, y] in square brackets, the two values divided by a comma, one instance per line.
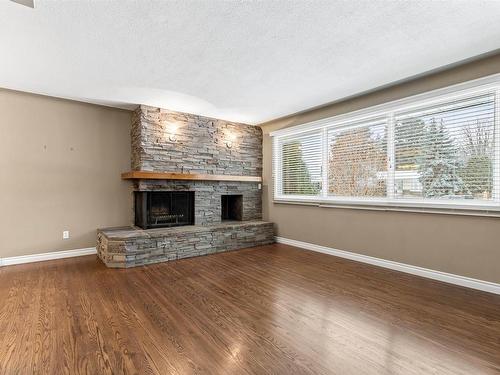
[468, 282]
[46, 256]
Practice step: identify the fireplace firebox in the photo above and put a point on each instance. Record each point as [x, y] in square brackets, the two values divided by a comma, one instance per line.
[159, 209]
[232, 207]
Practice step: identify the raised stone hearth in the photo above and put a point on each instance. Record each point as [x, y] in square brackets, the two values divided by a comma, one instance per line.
[178, 143]
[129, 246]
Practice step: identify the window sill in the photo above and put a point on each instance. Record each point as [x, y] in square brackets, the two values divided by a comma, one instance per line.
[403, 206]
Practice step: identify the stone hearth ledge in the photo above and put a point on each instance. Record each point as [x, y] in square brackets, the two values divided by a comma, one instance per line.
[125, 247]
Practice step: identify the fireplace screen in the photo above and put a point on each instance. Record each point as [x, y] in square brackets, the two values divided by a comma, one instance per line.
[157, 209]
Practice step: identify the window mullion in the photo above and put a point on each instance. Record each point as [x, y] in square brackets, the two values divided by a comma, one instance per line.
[390, 156]
[496, 145]
[324, 164]
[278, 182]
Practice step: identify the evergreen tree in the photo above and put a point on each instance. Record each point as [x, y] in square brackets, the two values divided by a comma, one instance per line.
[439, 168]
[295, 175]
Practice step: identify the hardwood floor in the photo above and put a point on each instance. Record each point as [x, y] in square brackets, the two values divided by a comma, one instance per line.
[267, 310]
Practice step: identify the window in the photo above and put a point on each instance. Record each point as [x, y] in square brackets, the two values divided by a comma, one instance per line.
[440, 149]
[357, 160]
[446, 152]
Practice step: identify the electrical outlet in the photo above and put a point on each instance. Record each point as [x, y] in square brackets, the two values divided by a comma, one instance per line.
[65, 234]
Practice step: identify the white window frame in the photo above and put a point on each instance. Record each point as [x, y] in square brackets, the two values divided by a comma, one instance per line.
[387, 111]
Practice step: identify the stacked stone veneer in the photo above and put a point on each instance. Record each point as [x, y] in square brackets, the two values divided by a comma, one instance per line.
[130, 247]
[167, 141]
[199, 146]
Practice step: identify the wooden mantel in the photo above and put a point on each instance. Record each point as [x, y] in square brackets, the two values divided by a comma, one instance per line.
[145, 175]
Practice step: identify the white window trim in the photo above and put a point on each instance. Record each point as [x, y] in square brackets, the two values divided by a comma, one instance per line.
[388, 110]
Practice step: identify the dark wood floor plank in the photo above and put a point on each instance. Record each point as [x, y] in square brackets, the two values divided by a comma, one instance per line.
[17, 333]
[266, 310]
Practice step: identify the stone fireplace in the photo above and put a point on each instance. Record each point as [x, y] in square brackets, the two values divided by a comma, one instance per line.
[196, 185]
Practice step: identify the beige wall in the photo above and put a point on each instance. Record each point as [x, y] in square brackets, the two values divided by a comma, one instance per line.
[463, 245]
[60, 170]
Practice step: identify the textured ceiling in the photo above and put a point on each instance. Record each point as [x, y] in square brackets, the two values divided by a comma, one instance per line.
[248, 61]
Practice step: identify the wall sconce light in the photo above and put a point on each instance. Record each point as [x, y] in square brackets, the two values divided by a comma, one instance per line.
[230, 138]
[171, 130]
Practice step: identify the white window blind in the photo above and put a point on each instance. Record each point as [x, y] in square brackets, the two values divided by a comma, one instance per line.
[438, 151]
[300, 163]
[446, 151]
